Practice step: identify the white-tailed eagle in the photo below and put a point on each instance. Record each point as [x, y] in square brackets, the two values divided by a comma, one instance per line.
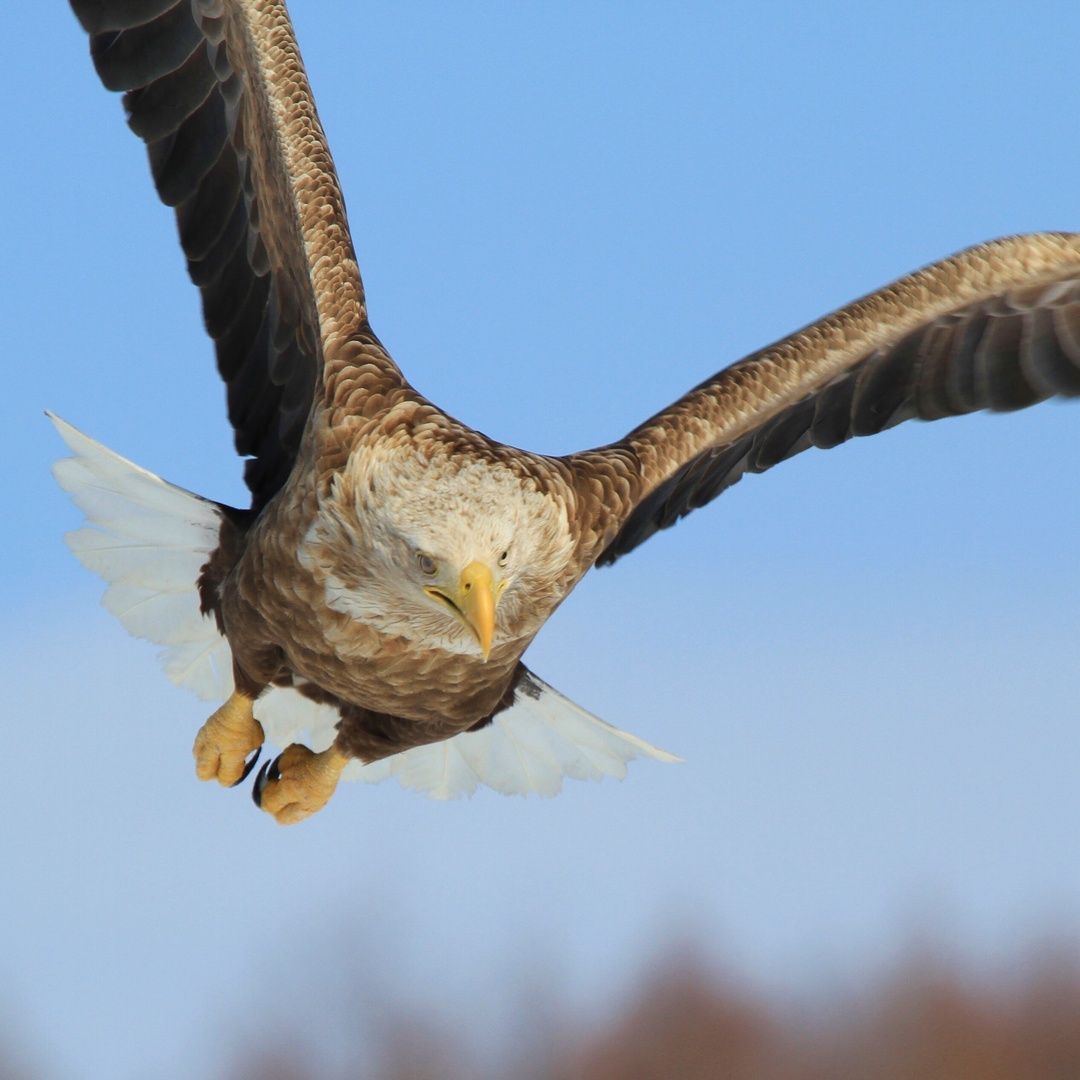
[376, 598]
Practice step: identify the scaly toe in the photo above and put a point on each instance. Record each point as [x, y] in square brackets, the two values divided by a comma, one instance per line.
[297, 783]
[224, 742]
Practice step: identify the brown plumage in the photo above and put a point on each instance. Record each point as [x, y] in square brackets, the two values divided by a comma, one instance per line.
[395, 564]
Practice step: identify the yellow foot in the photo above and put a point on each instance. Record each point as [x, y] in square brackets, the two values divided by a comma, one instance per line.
[225, 740]
[298, 783]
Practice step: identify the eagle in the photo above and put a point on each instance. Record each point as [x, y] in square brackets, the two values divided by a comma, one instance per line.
[369, 610]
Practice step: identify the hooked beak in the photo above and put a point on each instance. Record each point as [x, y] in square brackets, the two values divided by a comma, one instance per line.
[473, 600]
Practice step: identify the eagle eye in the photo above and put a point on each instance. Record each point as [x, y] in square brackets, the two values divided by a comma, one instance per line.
[504, 557]
[426, 563]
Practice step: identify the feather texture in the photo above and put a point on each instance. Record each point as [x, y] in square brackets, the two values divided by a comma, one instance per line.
[542, 738]
[995, 327]
[218, 93]
[148, 540]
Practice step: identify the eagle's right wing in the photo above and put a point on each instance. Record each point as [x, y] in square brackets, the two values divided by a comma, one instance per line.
[217, 90]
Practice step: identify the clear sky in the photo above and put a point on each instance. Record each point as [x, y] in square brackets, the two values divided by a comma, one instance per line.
[566, 215]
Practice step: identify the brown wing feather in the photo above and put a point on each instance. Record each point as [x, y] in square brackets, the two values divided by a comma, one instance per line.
[217, 90]
[995, 327]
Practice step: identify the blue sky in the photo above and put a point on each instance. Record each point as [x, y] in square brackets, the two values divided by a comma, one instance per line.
[566, 215]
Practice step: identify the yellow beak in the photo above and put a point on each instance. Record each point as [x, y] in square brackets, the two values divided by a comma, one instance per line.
[476, 599]
[473, 600]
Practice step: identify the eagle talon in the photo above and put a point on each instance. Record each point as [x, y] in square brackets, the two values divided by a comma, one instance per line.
[297, 783]
[224, 742]
[262, 779]
[248, 766]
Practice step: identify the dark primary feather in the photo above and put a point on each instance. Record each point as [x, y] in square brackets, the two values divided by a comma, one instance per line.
[1004, 352]
[216, 89]
[188, 97]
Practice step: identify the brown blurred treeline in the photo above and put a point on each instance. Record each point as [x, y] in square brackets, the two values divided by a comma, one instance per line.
[928, 1021]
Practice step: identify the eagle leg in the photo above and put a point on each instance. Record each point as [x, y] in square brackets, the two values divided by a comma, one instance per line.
[225, 740]
[298, 782]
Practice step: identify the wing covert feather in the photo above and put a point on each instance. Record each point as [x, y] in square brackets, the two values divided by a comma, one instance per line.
[994, 327]
[217, 90]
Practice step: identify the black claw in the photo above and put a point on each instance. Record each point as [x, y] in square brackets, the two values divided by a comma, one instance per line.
[260, 783]
[248, 766]
[268, 772]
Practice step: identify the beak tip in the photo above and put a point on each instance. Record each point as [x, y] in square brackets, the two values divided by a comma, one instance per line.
[478, 605]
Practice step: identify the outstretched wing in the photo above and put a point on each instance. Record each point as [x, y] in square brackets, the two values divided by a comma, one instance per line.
[994, 327]
[217, 90]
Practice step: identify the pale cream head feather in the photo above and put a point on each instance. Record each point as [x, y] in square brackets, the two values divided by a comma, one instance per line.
[398, 522]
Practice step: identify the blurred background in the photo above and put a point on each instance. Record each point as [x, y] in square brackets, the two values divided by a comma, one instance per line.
[567, 215]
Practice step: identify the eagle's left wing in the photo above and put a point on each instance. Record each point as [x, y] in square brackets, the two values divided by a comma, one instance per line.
[994, 327]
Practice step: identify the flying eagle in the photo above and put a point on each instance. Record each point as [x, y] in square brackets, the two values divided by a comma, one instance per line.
[377, 596]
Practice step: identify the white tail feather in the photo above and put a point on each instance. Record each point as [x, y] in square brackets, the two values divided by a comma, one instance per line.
[528, 747]
[148, 539]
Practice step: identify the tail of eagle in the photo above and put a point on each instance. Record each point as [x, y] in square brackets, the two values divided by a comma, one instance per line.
[149, 539]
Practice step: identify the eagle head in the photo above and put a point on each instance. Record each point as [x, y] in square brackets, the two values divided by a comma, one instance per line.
[456, 551]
